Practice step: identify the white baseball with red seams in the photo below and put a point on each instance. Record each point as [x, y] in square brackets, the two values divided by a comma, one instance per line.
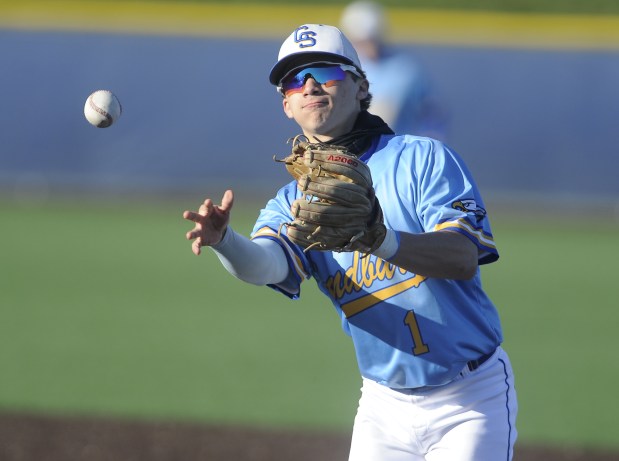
[102, 108]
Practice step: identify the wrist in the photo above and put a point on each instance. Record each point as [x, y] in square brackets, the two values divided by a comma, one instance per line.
[225, 239]
[390, 245]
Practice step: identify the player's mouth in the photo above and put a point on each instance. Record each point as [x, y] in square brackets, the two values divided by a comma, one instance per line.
[315, 104]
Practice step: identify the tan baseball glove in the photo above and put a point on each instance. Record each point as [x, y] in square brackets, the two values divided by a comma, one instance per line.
[339, 210]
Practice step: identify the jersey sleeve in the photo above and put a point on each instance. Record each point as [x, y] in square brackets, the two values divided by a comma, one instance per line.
[449, 200]
[270, 225]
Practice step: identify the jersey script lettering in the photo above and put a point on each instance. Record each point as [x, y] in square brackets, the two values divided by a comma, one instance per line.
[362, 274]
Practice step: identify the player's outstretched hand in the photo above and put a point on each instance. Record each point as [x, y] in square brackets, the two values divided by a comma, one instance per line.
[210, 221]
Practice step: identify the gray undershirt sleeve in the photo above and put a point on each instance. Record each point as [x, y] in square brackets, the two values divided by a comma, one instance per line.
[259, 262]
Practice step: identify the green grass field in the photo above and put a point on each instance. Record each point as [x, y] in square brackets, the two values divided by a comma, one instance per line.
[105, 311]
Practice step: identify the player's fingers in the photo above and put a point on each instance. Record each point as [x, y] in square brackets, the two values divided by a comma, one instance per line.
[192, 216]
[227, 201]
[193, 234]
[196, 247]
[206, 207]
[197, 218]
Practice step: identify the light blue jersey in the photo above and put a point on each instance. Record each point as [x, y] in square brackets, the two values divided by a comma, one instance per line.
[408, 330]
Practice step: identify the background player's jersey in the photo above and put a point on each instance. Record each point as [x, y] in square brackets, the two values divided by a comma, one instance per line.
[408, 330]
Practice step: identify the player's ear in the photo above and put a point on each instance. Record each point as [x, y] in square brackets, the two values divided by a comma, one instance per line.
[287, 109]
[364, 89]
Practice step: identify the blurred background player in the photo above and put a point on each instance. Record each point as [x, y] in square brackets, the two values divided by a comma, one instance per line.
[402, 93]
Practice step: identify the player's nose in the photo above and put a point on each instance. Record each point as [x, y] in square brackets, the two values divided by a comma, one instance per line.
[311, 86]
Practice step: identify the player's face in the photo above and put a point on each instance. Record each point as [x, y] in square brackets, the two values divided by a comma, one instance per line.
[327, 109]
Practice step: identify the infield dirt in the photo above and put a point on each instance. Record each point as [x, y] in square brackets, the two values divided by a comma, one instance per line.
[45, 438]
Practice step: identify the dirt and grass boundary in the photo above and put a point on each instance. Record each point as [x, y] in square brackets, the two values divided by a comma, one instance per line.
[36, 438]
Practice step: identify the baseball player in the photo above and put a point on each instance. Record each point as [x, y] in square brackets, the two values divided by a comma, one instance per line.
[436, 383]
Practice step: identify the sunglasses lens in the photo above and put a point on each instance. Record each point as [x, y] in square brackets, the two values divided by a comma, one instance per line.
[322, 75]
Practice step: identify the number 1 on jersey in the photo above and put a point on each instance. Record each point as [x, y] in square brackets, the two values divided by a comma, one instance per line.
[420, 346]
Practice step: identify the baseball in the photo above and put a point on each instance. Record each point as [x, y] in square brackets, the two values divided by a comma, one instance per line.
[102, 108]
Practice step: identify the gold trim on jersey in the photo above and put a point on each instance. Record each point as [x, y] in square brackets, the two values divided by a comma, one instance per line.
[484, 239]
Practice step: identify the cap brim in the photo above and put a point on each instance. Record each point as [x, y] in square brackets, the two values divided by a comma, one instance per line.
[301, 59]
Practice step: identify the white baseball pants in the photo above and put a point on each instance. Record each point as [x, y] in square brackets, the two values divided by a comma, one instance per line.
[470, 419]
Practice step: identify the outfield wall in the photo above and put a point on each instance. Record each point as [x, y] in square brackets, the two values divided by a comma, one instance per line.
[199, 113]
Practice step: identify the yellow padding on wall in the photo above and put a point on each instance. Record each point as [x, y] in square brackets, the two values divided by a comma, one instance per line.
[444, 27]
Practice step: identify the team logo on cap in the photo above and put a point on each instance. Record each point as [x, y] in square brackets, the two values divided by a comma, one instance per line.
[304, 38]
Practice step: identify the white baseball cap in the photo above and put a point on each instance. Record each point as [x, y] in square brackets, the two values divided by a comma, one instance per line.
[313, 44]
